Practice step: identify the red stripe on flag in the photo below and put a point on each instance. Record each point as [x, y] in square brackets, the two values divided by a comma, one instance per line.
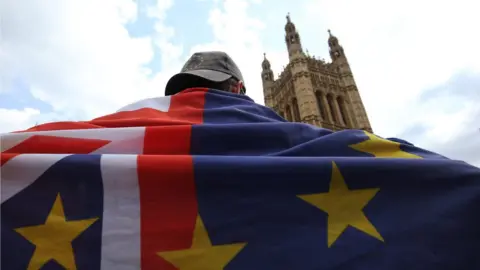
[41, 144]
[168, 206]
[189, 105]
[186, 108]
[139, 118]
[60, 126]
[4, 158]
[169, 140]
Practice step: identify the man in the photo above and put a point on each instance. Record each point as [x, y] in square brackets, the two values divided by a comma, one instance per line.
[208, 69]
[205, 178]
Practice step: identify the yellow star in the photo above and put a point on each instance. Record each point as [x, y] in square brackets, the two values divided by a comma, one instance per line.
[344, 207]
[53, 240]
[202, 255]
[382, 148]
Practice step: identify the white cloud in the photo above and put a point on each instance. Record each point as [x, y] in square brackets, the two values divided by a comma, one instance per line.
[464, 143]
[171, 54]
[159, 9]
[76, 55]
[448, 118]
[238, 34]
[17, 119]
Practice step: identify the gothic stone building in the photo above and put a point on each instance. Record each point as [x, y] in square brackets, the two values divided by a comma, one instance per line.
[310, 90]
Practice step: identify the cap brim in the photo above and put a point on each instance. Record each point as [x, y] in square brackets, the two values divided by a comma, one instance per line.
[175, 82]
[211, 75]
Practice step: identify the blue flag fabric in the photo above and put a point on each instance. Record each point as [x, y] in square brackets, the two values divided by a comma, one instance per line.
[423, 212]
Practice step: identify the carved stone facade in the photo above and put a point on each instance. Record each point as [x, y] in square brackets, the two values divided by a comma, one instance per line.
[312, 91]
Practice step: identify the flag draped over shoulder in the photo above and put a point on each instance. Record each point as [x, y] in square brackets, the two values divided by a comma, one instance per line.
[210, 180]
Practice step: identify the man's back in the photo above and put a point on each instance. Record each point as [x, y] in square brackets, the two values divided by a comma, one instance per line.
[206, 179]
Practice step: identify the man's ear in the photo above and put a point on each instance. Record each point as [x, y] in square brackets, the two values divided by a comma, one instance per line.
[240, 89]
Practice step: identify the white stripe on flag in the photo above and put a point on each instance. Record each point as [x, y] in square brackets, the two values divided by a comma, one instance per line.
[158, 103]
[22, 170]
[121, 213]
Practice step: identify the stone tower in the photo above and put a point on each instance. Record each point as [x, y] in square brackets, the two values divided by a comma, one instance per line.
[267, 80]
[312, 91]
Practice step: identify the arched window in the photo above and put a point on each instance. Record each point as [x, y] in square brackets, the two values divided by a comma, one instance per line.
[331, 106]
[320, 105]
[343, 109]
[288, 113]
[296, 111]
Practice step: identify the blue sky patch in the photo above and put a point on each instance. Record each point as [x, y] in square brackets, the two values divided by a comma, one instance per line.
[20, 97]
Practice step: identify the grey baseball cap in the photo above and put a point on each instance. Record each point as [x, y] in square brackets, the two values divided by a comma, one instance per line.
[214, 66]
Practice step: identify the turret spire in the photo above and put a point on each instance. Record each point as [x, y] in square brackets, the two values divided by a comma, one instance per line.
[292, 38]
[336, 51]
[267, 73]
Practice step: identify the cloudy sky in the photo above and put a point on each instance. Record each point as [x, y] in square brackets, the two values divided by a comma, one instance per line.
[416, 63]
